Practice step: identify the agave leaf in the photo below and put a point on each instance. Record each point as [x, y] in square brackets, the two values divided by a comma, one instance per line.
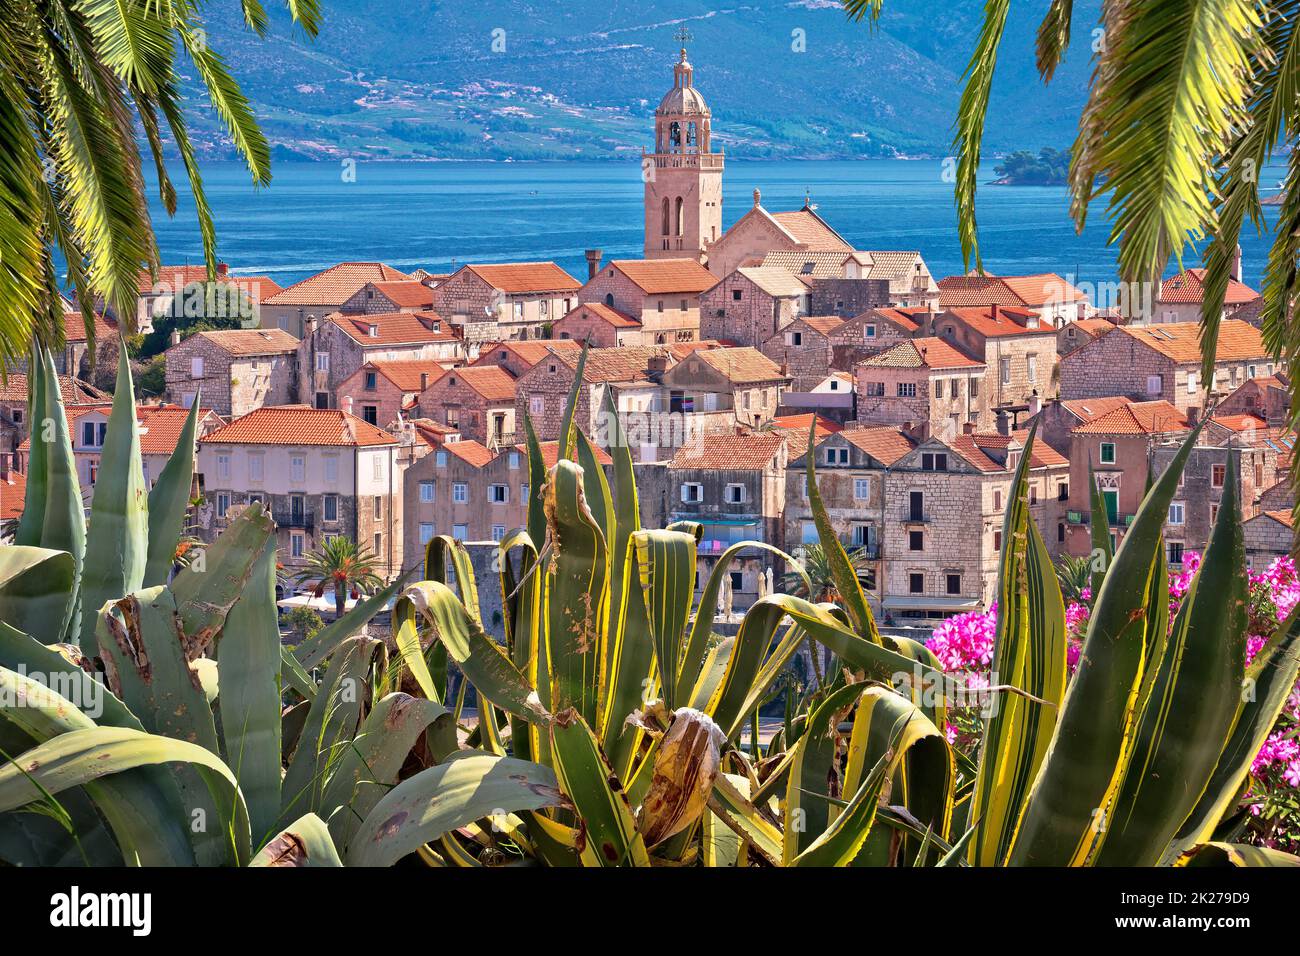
[54, 515]
[368, 767]
[141, 806]
[117, 542]
[441, 549]
[305, 842]
[1029, 652]
[521, 601]
[569, 428]
[249, 668]
[840, 842]
[611, 835]
[807, 811]
[37, 586]
[169, 499]
[330, 727]
[575, 592]
[1192, 705]
[454, 794]
[1093, 738]
[1237, 854]
[666, 576]
[730, 802]
[536, 481]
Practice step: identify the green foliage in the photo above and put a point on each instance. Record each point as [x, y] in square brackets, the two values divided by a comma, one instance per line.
[1051, 167]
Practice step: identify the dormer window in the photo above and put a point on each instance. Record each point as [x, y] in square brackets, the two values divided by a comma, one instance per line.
[373, 331]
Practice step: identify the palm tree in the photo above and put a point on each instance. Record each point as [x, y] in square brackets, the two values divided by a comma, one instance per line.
[1074, 575]
[76, 77]
[1188, 101]
[343, 564]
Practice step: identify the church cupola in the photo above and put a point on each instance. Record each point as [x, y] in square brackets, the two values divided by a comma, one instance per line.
[683, 177]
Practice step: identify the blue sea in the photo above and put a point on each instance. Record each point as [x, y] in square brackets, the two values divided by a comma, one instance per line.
[439, 215]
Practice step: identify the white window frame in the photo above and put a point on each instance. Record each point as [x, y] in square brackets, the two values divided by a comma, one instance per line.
[460, 492]
[427, 492]
[697, 492]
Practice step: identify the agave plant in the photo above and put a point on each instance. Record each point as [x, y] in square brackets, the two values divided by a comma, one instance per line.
[181, 732]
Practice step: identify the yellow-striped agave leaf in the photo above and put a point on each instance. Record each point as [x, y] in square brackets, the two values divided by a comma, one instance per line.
[666, 569]
[1237, 854]
[1193, 702]
[730, 802]
[521, 596]
[1029, 653]
[576, 591]
[813, 764]
[610, 836]
[1085, 761]
[305, 842]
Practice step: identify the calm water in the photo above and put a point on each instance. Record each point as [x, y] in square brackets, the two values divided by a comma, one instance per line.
[433, 214]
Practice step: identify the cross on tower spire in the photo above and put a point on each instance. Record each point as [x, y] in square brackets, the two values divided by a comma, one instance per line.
[683, 37]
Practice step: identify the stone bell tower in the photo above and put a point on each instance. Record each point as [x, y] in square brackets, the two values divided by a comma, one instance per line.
[683, 179]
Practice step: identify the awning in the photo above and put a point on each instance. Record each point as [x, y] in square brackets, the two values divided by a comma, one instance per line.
[920, 602]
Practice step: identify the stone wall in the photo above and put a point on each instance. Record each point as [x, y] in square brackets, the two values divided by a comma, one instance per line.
[847, 297]
[230, 385]
[748, 320]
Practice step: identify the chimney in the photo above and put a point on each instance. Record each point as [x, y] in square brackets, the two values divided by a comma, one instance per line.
[1035, 404]
[309, 324]
[655, 367]
[593, 263]
[224, 270]
[1004, 422]
[1236, 264]
[993, 312]
[424, 381]
[968, 428]
[918, 430]
[347, 404]
[175, 337]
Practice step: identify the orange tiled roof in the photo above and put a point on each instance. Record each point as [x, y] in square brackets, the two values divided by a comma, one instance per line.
[471, 452]
[74, 324]
[795, 428]
[1135, 418]
[735, 451]
[1281, 517]
[492, 382]
[825, 324]
[1240, 423]
[524, 277]
[663, 276]
[13, 388]
[884, 443]
[298, 425]
[409, 294]
[926, 351]
[743, 365]
[625, 364]
[1086, 409]
[969, 449]
[251, 341]
[1042, 288]
[907, 319]
[607, 314]
[1189, 288]
[394, 328]
[974, 290]
[995, 321]
[1043, 455]
[13, 493]
[161, 426]
[1181, 341]
[1093, 327]
[530, 351]
[407, 375]
[335, 285]
[811, 231]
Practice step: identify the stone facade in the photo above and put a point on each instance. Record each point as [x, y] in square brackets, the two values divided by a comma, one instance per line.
[485, 312]
[1267, 536]
[666, 317]
[1021, 359]
[847, 297]
[803, 349]
[870, 333]
[376, 397]
[460, 399]
[598, 325]
[739, 309]
[229, 373]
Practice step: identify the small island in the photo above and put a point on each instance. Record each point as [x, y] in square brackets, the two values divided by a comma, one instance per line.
[1051, 167]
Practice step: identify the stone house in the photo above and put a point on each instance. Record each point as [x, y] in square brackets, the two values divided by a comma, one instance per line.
[910, 283]
[1118, 444]
[471, 492]
[234, 370]
[1267, 397]
[477, 401]
[381, 392]
[600, 325]
[1076, 334]
[851, 470]
[803, 349]
[752, 304]
[185, 292]
[717, 389]
[1182, 296]
[319, 472]
[945, 505]
[924, 380]
[759, 232]
[1056, 301]
[1017, 345]
[518, 357]
[1058, 417]
[14, 401]
[1268, 536]
[873, 331]
[378, 298]
[662, 294]
[321, 294]
[515, 300]
[334, 350]
[1164, 362]
[735, 486]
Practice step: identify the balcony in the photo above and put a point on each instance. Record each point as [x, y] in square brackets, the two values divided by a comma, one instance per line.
[290, 518]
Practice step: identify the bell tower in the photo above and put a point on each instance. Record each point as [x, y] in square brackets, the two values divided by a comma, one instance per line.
[683, 178]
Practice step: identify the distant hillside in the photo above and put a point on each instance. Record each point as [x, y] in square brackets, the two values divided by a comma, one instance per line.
[578, 79]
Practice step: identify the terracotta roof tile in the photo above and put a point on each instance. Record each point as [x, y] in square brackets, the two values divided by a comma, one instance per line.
[811, 231]
[524, 277]
[998, 321]
[492, 382]
[825, 324]
[884, 443]
[407, 376]
[1181, 341]
[298, 425]
[664, 276]
[529, 352]
[405, 295]
[1282, 517]
[1135, 418]
[967, 448]
[13, 494]
[926, 351]
[335, 285]
[1086, 409]
[13, 388]
[743, 365]
[395, 328]
[605, 313]
[743, 451]
[1189, 288]
[251, 341]
[974, 290]
[471, 452]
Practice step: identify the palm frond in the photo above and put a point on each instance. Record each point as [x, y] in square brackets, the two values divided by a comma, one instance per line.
[1054, 37]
